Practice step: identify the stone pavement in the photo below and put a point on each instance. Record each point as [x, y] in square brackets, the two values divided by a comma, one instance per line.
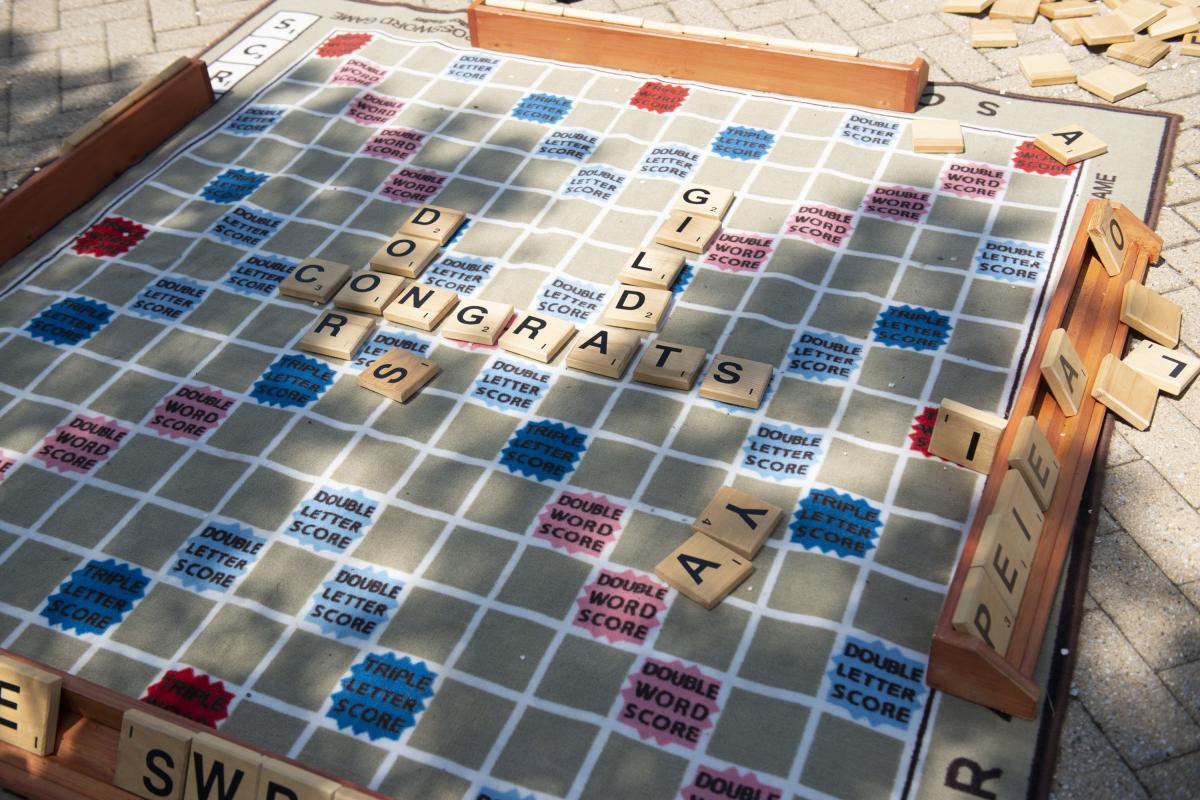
[1133, 729]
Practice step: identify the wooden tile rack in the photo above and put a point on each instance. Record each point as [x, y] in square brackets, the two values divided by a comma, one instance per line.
[70, 180]
[84, 759]
[840, 79]
[1090, 311]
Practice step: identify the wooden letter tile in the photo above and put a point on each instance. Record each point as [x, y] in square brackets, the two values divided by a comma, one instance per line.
[1105, 29]
[369, 292]
[315, 280]
[651, 269]
[1068, 9]
[28, 706]
[432, 222]
[993, 33]
[398, 374]
[282, 781]
[603, 351]
[1126, 392]
[981, 612]
[1170, 370]
[1068, 29]
[1071, 143]
[1176, 22]
[1063, 371]
[337, 335]
[420, 306]
[1190, 45]
[152, 756]
[704, 570]
[220, 768]
[937, 136]
[739, 381]
[674, 366]
[1108, 238]
[690, 232]
[1024, 11]
[1001, 560]
[536, 336]
[1112, 83]
[637, 307]
[966, 6]
[406, 256]
[1151, 314]
[739, 521]
[1140, 14]
[966, 436]
[1016, 511]
[478, 321]
[1047, 70]
[1141, 51]
[705, 201]
[1034, 458]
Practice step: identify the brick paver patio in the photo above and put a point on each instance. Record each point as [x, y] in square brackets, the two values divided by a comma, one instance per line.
[1133, 729]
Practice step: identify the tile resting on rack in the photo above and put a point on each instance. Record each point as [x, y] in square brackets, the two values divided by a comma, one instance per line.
[1126, 392]
[966, 435]
[1033, 457]
[1063, 372]
[29, 710]
[1151, 314]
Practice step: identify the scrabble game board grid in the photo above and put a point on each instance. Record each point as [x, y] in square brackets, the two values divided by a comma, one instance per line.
[607, 724]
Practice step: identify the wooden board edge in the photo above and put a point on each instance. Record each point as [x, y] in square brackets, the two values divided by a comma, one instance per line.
[68, 182]
[961, 665]
[92, 710]
[865, 82]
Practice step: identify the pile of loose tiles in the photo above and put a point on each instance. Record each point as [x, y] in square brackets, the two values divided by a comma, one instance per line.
[1133, 31]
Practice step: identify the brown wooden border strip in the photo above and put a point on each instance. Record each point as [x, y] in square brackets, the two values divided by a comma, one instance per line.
[84, 761]
[839, 79]
[1089, 309]
[66, 183]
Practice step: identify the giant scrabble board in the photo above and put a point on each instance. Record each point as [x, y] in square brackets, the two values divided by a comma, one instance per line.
[455, 597]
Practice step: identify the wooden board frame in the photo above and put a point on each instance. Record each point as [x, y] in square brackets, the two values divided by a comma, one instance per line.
[839, 79]
[959, 663]
[70, 180]
[84, 760]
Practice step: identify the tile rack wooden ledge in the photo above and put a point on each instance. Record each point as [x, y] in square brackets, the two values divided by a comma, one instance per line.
[84, 759]
[79, 172]
[840, 79]
[959, 663]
